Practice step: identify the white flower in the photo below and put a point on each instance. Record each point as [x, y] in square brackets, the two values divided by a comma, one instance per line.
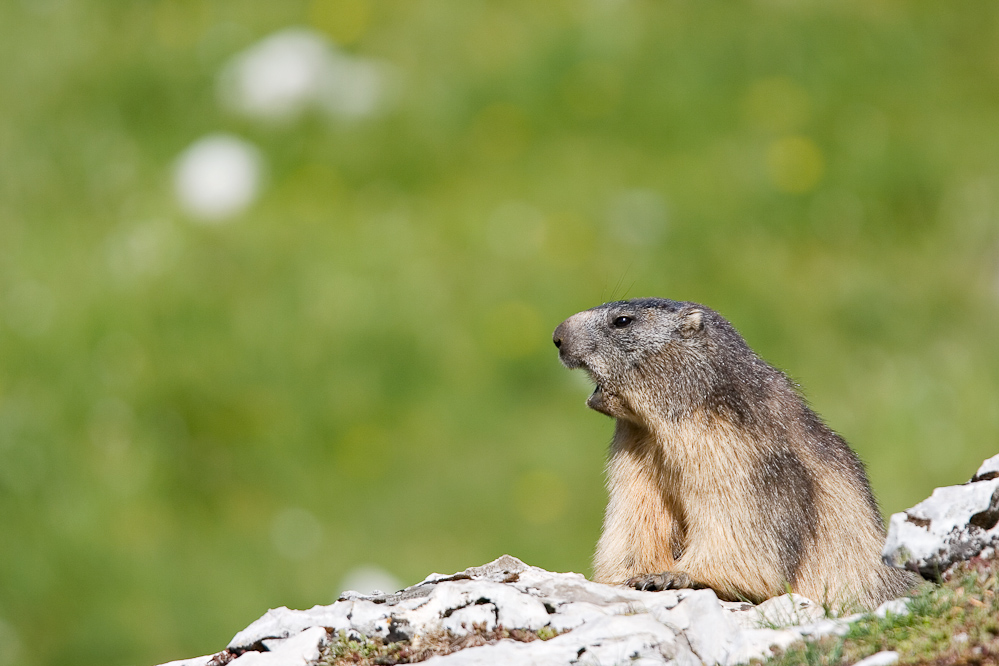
[295, 69]
[217, 177]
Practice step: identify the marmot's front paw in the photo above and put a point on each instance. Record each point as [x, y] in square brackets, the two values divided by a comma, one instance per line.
[668, 580]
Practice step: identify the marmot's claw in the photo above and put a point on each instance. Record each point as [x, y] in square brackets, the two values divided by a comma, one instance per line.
[668, 580]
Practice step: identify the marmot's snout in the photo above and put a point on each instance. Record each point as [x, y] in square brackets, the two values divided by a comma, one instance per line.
[578, 349]
[558, 337]
[567, 352]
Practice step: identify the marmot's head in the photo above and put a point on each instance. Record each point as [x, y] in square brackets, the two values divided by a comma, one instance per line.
[650, 354]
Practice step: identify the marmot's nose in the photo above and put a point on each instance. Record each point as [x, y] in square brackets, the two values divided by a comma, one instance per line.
[558, 335]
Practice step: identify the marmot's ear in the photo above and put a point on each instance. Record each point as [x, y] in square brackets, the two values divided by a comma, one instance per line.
[691, 323]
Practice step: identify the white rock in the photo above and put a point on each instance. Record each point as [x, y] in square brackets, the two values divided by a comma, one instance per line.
[884, 658]
[574, 587]
[283, 622]
[954, 524]
[370, 619]
[506, 652]
[990, 466]
[894, 606]
[217, 177]
[754, 644]
[828, 627]
[516, 609]
[618, 639]
[608, 641]
[600, 624]
[787, 610]
[800, 616]
[708, 628]
[195, 661]
[572, 615]
[300, 650]
[463, 620]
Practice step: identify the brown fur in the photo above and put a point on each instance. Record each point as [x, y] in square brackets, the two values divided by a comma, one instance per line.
[719, 473]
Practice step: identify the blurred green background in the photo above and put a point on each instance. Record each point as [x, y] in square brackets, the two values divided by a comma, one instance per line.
[202, 421]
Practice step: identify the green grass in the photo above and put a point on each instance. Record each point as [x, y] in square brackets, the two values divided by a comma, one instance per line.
[956, 622]
[368, 345]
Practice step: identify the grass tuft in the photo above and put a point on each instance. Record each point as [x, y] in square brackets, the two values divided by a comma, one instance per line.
[955, 623]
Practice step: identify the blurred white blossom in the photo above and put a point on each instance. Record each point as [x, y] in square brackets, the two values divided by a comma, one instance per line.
[296, 69]
[217, 177]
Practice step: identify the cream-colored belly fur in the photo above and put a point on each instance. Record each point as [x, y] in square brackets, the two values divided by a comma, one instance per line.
[682, 499]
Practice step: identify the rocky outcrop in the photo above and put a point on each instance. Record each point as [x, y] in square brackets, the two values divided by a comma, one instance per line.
[954, 524]
[501, 612]
[592, 623]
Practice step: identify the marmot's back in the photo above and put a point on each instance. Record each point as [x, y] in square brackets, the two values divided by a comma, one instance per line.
[720, 475]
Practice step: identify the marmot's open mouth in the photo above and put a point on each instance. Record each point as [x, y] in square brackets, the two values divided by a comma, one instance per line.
[604, 401]
[598, 387]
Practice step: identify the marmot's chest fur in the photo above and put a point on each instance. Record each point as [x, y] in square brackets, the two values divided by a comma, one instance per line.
[719, 473]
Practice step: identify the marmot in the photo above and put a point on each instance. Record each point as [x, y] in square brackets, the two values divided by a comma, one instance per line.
[719, 474]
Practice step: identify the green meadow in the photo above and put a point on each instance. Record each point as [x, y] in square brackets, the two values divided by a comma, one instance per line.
[202, 419]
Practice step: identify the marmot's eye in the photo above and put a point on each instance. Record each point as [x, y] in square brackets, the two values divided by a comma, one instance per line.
[621, 322]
